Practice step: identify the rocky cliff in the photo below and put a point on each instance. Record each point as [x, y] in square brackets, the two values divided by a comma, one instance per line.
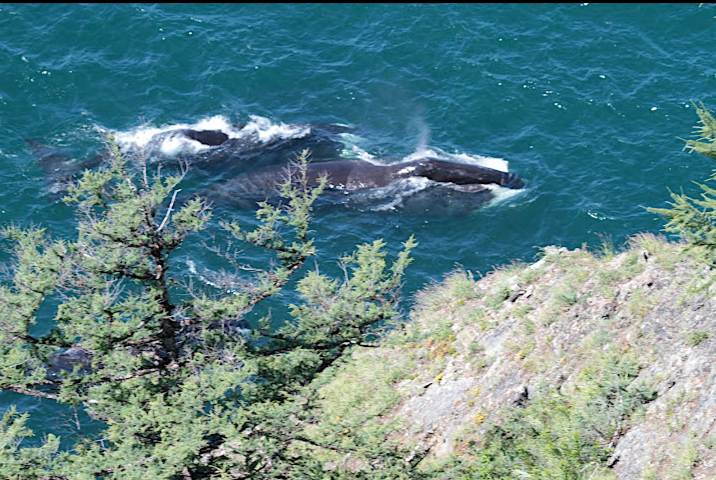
[602, 360]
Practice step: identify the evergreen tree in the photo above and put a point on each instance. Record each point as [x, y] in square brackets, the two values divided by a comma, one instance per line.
[694, 219]
[182, 390]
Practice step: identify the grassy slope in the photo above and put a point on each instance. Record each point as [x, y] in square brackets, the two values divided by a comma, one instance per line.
[580, 365]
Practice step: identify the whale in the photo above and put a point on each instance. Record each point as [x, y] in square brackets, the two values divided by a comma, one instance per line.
[343, 174]
[207, 151]
[347, 176]
[241, 168]
[356, 174]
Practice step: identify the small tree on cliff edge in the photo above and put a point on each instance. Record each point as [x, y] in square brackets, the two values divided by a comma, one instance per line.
[182, 392]
[694, 219]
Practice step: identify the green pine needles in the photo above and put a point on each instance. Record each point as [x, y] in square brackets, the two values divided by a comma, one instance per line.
[181, 390]
[694, 219]
[705, 134]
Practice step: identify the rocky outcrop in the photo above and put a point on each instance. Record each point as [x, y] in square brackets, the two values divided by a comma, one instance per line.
[482, 347]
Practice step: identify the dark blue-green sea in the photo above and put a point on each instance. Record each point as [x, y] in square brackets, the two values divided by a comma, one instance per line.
[584, 101]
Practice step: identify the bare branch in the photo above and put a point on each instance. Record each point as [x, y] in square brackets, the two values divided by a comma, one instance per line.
[30, 391]
[169, 211]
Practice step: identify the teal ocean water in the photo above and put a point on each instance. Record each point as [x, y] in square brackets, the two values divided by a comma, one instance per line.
[584, 101]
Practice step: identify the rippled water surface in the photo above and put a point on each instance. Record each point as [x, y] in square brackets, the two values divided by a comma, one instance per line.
[585, 102]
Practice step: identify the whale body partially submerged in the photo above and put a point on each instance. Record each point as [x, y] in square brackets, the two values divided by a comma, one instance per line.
[237, 149]
[355, 175]
[250, 164]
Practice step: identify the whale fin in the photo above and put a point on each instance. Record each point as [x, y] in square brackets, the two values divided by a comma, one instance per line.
[207, 137]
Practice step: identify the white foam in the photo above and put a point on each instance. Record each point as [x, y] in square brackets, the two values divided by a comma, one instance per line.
[203, 279]
[267, 131]
[174, 145]
[394, 194]
[494, 163]
[140, 138]
[502, 195]
[406, 170]
[350, 146]
[160, 139]
[354, 151]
